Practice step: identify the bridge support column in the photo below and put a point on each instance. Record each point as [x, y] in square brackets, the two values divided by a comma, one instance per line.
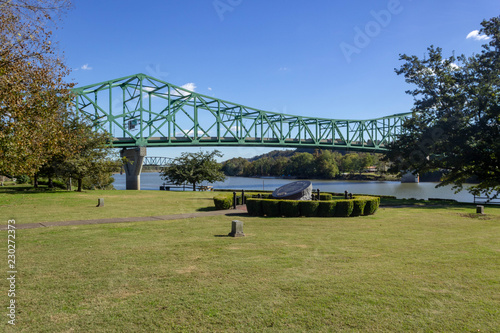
[410, 178]
[133, 167]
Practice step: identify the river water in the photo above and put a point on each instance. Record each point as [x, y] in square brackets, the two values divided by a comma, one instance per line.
[152, 181]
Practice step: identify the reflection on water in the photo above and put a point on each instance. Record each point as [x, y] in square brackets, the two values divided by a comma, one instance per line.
[152, 181]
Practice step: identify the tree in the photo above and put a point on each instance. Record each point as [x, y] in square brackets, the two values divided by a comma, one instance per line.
[301, 165]
[87, 156]
[456, 116]
[194, 168]
[33, 95]
[326, 167]
[235, 166]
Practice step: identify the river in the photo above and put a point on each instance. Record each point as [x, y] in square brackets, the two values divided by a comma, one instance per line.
[152, 181]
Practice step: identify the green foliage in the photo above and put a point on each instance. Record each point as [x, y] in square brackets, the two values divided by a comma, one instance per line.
[322, 164]
[194, 168]
[309, 208]
[456, 122]
[290, 208]
[359, 207]
[325, 196]
[223, 201]
[55, 183]
[235, 166]
[33, 92]
[87, 158]
[364, 205]
[254, 207]
[271, 207]
[344, 208]
[23, 179]
[327, 208]
[372, 205]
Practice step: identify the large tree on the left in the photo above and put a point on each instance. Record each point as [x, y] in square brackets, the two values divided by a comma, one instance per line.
[34, 96]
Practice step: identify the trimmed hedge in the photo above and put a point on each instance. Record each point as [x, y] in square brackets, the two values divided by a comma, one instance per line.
[223, 201]
[372, 205]
[308, 208]
[327, 208]
[271, 207]
[325, 196]
[361, 205]
[254, 207]
[290, 208]
[344, 208]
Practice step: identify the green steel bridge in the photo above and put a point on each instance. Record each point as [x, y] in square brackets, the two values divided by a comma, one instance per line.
[140, 111]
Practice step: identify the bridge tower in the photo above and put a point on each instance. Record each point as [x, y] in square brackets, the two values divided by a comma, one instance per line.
[133, 166]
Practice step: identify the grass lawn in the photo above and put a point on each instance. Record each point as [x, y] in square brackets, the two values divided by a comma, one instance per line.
[422, 269]
[28, 206]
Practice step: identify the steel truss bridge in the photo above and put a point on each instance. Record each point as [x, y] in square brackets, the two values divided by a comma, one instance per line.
[156, 161]
[141, 111]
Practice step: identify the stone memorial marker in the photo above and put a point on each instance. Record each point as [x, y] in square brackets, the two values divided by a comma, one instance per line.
[236, 229]
[301, 190]
[100, 202]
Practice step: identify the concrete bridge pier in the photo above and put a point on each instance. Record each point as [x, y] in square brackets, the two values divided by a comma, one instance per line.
[133, 166]
[410, 178]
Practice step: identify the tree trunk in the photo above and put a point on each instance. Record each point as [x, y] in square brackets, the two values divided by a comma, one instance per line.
[80, 181]
[35, 180]
[194, 187]
[50, 183]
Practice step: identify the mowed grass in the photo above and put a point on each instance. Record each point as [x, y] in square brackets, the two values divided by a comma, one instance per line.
[51, 206]
[403, 269]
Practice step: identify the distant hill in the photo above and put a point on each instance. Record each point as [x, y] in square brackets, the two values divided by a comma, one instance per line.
[287, 153]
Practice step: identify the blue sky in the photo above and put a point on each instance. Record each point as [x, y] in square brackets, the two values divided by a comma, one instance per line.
[319, 58]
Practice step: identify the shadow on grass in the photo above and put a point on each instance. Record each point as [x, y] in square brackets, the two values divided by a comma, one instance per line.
[28, 189]
[206, 209]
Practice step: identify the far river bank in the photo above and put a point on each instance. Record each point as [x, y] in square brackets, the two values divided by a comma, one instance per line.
[152, 181]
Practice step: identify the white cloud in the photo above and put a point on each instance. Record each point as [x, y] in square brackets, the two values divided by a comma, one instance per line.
[476, 36]
[86, 67]
[209, 89]
[284, 69]
[189, 86]
[189, 133]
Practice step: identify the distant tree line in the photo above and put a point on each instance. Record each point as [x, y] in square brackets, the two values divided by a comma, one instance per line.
[321, 164]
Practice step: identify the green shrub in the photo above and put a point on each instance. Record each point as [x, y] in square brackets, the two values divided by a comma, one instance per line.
[23, 179]
[344, 208]
[290, 208]
[327, 208]
[254, 207]
[223, 201]
[271, 207]
[325, 197]
[308, 208]
[57, 183]
[359, 207]
[372, 205]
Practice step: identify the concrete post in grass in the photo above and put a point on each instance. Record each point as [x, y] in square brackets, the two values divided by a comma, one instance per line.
[480, 209]
[100, 202]
[236, 229]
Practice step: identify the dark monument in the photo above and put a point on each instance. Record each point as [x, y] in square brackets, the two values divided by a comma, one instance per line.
[301, 190]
